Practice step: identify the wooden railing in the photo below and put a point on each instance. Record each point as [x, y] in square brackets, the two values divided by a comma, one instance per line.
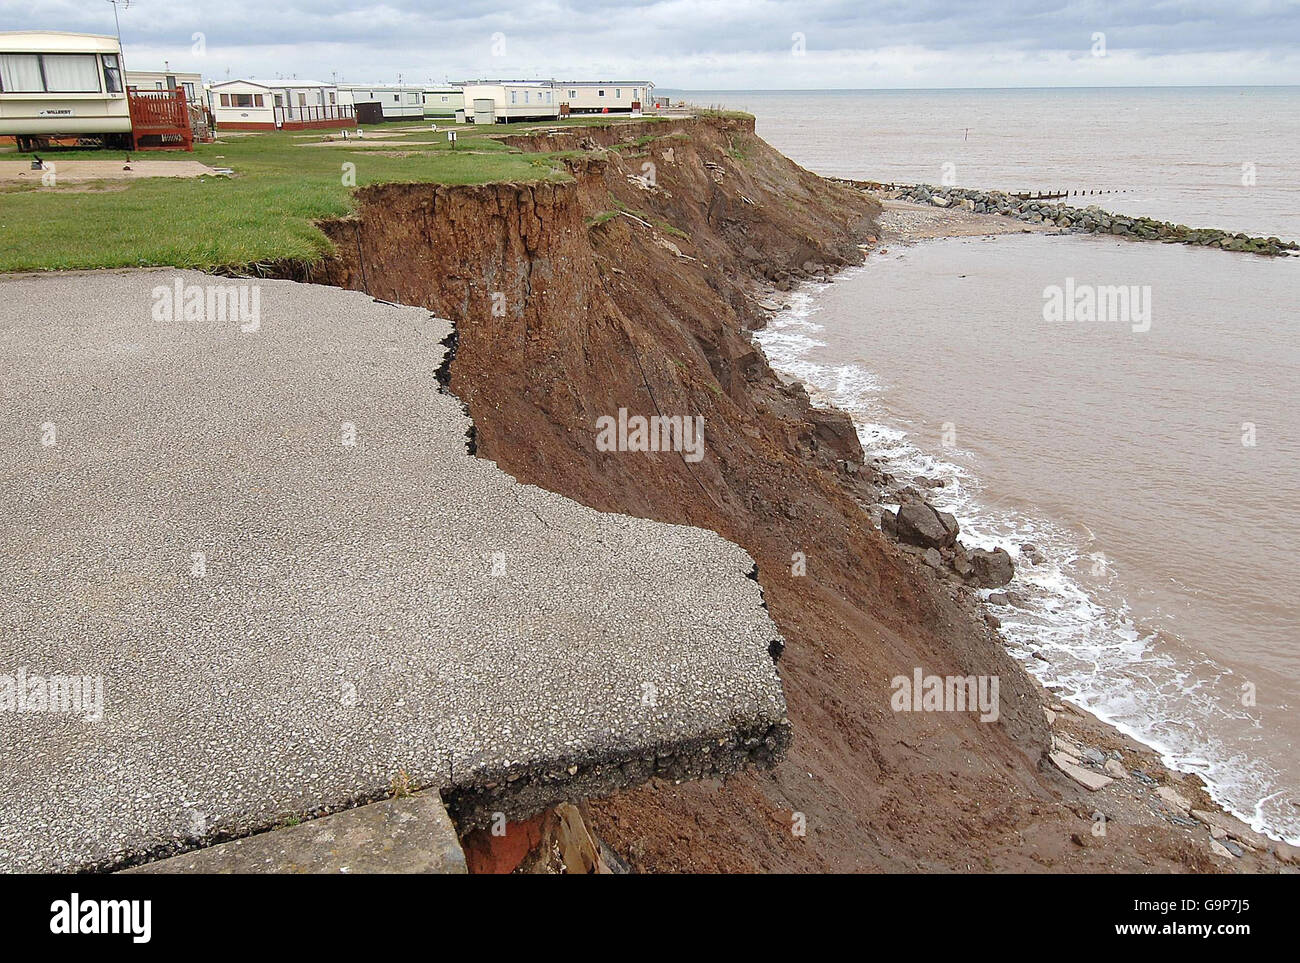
[162, 115]
[306, 114]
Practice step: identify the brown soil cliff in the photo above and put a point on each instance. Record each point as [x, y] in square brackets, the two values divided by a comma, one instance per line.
[631, 286]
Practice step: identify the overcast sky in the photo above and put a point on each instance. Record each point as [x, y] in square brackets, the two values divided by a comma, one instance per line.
[704, 44]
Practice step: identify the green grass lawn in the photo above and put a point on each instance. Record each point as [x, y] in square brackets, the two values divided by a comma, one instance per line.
[265, 211]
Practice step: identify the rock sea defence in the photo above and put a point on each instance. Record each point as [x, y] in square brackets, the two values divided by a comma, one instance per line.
[1092, 220]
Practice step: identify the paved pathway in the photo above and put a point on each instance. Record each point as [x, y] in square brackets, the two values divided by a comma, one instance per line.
[270, 544]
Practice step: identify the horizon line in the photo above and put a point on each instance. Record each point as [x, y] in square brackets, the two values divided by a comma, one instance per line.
[827, 90]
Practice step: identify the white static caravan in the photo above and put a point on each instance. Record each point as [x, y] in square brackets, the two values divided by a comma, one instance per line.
[597, 96]
[501, 101]
[243, 105]
[397, 101]
[55, 84]
[282, 105]
[443, 102]
[300, 98]
[191, 83]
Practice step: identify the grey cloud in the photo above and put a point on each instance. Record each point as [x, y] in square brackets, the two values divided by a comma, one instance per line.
[686, 41]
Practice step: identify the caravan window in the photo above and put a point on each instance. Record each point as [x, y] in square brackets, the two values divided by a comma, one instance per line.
[112, 74]
[55, 73]
[71, 73]
[21, 73]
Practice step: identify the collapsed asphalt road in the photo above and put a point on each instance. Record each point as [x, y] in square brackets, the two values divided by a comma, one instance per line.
[263, 542]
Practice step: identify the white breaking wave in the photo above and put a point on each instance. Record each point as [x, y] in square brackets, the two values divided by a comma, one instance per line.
[1096, 657]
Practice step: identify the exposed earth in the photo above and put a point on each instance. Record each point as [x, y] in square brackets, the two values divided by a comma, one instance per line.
[634, 287]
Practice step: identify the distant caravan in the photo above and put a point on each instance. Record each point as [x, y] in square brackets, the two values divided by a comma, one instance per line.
[604, 97]
[505, 101]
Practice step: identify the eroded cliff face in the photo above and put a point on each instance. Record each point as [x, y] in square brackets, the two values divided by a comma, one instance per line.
[631, 286]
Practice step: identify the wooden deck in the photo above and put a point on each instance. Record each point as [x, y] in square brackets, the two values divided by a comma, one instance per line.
[160, 120]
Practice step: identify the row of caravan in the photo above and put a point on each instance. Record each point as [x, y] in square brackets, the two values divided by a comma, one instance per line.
[254, 105]
[502, 101]
[292, 104]
[55, 84]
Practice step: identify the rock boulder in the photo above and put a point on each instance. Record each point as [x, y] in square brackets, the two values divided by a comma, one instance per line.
[920, 525]
[992, 569]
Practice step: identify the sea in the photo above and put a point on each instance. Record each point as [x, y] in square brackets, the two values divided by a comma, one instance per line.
[1149, 452]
